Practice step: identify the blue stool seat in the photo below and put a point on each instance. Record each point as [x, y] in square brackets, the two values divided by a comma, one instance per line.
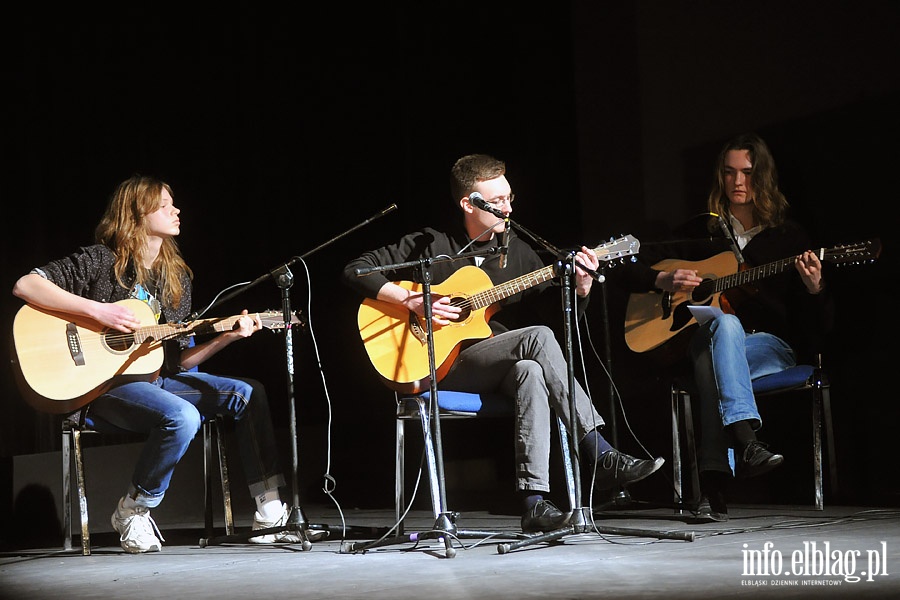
[795, 377]
[482, 405]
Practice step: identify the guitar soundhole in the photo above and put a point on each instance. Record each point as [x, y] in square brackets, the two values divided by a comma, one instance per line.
[118, 341]
[702, 292]
[465, 305]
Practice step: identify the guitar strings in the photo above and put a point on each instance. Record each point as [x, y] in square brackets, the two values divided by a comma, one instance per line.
[120, 336]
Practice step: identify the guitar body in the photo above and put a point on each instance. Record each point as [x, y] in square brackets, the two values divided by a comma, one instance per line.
[396, 339]
[653, 318]
[63, 362]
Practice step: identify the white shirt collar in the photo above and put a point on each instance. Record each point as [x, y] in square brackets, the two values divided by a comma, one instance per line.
[743, 237]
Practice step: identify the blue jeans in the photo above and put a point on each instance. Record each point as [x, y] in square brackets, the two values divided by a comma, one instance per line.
[726, 361]
[529, 366]
[170, 411]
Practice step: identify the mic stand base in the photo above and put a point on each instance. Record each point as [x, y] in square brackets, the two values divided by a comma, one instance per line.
[443, 530]
[579, 523]
[298, 524]
[623, 501]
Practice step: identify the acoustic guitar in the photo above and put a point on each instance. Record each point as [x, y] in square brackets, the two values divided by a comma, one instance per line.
[654, 318]
[62, 362]
[396, 339]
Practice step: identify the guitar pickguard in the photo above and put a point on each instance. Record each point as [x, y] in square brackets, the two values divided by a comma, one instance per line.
[681, 316]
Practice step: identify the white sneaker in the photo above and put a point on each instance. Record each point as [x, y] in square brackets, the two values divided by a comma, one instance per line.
[282, 537]
[137, 530]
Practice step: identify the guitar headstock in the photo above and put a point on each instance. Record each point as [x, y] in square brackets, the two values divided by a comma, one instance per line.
[856, 253]
[274, 319]
[618, 249]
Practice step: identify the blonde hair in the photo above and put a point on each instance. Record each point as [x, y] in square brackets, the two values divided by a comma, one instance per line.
[123, 230]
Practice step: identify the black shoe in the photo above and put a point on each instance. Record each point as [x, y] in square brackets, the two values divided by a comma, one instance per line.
[543, 516]
[756, 460]
[617, 468]
[708, 511]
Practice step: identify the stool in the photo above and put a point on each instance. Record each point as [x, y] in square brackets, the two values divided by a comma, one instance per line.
[800, 378]
[454, 405]
[72, 456]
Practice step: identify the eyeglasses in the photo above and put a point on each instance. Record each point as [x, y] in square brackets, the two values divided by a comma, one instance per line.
[501, 200]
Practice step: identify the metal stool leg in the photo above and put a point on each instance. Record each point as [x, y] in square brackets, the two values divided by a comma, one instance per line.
[825, 393]
[82, 492]
[400, 475]
[67, 485]
[682, 416]
[223, 475]
[214, 443]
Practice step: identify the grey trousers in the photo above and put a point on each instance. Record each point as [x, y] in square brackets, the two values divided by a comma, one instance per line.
[528, 366]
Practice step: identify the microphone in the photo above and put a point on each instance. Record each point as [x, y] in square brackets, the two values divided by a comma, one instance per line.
[731, 240]
[478, 201]
[504, 245]
[385, 211]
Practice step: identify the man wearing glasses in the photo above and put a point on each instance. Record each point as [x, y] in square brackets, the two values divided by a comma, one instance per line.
[516, 356]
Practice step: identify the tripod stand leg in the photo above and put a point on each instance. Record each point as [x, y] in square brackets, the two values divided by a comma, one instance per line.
[581, 525]
[295, 523]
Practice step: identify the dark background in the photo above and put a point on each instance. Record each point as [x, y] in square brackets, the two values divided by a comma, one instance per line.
[282, 131]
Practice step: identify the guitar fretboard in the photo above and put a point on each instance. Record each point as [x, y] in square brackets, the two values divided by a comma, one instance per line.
[513, 286]
[269, 320]
[620, 248]
[753, 274]
[169, 330]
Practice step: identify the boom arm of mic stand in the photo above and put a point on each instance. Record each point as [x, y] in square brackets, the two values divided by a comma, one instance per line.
[414, 263]
[557, 252]
[279, 270]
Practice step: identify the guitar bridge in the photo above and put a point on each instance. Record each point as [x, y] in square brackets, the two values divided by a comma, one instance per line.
[666, 305]
[74, 344]
[416, 328]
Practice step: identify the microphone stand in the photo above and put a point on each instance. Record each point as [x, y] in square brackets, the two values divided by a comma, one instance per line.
[732, 240]
[581, 520]
[296, 522]
[444, 528]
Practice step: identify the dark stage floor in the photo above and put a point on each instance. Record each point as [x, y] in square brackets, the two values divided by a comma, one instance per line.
[762, 551]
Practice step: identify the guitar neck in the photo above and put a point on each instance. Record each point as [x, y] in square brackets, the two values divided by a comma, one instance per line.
[753, 274]
[616, 249]
[513, 286]
[168, 330]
